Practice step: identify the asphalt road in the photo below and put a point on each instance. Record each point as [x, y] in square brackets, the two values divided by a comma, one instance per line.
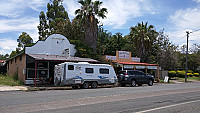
[167, 98]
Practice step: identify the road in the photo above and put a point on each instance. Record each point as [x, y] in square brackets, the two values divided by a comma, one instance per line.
[166, 98]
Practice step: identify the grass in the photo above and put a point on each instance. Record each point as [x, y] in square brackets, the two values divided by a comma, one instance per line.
[10, 80]
[189, 79]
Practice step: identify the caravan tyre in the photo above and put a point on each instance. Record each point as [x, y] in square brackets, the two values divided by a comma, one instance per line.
[94, 85]
[85, 85]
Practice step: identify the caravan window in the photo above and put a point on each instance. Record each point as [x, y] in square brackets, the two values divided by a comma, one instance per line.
[70, 67]
[89, 70]
[104, 71]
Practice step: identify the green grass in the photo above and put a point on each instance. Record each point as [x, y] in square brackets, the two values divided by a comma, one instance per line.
[9, 80]
[189, 79]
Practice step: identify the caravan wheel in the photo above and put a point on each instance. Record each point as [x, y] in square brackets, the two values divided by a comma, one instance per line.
[94, 85]
[85, 85]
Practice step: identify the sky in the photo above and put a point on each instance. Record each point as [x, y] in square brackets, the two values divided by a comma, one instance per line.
[174, 16]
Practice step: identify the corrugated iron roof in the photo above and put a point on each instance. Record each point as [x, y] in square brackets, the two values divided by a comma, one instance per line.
[60, 58]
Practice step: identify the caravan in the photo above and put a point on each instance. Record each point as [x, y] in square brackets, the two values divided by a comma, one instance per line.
[84, 74]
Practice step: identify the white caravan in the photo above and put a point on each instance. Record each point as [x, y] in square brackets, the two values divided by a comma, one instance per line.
[84, 74]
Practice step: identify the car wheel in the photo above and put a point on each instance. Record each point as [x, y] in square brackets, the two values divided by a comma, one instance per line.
[85, 85]
[94, 85]
[150, 83]
[139, 84]
[133, 83]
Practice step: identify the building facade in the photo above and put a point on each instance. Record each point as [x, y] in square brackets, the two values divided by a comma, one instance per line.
[36, 64]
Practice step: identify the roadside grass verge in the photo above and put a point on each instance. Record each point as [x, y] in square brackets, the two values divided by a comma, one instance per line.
[189, 79]
[10, 80]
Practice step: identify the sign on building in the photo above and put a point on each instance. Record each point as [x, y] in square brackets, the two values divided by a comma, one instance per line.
[111, 57]
[140, 67]
[124, 54]
[151, 67]
[134, 59]
[128, 67]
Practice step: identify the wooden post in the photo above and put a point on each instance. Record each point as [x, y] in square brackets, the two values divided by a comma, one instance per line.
[35, 72]
[158, 73]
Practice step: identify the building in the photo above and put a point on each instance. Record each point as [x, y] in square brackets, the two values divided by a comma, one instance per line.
[36, 64]
[2, 66]
[126, 62]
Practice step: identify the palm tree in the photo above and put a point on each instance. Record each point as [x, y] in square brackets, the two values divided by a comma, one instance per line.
[87, 14]
[143, 37]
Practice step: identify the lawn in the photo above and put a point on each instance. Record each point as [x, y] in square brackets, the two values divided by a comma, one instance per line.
[189, 79]
[9, 80]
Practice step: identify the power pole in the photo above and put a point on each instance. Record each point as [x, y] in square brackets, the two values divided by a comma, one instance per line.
[186, 66]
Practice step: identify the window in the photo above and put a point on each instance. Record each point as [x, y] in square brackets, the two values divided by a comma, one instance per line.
[70, 67]
[104, 71]
[89, 70]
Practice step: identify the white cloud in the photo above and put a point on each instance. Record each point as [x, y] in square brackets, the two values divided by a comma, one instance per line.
[186, 19]
[7, 45]
[182, 21]
[119, 11]
[15, 8]
[71, 6]
[198, 1]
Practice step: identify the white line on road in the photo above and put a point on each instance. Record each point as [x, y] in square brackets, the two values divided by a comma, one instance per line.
[167, 106]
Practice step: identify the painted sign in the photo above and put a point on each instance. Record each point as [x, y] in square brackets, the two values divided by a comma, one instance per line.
[151, 67]
[124, 54]
[134, 59]
[140, 67]
[111, 57]
[128, 66]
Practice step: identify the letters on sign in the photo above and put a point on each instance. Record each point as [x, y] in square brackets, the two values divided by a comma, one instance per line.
[111, 57]
[124, 54]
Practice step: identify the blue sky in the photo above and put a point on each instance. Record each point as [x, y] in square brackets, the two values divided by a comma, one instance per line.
[175, 16]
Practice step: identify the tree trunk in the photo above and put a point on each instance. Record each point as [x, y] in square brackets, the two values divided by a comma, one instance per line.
[91, 32]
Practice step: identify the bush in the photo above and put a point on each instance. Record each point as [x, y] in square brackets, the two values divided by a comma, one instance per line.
[172, 74]
[9, 80]
[190, 74]
[196, 74]
[181, 74]
[190, 71]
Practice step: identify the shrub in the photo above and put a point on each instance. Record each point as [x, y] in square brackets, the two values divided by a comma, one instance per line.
[196, 74]
[172, 74]
[181, 74]
[190, 74]
[190, 71]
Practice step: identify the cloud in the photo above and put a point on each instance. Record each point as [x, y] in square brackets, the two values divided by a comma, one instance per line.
[15, 8]
[7, 45]
[71, 6]
[198, 1]
[182, 21]
[186, 19]
[119, 11]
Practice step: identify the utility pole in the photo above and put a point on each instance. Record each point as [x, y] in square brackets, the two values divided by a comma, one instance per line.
[186, 66]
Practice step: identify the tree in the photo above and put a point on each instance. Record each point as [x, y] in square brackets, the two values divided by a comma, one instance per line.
[165, 52]
[24, 40]
[54, 21]
[87, 14]
[103, 40]
[143, 37]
